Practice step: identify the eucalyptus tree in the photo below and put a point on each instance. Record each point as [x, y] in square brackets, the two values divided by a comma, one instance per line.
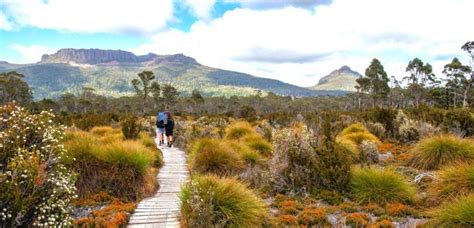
[143, 86]
[14, 88]
[469, 48]
[375, 82]
[457, 81]
[421, 75]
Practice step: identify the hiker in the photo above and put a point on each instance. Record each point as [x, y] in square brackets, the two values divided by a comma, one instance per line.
[169, 126]
[160, 127]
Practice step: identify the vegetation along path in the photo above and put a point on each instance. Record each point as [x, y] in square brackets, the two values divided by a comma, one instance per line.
[162, 209]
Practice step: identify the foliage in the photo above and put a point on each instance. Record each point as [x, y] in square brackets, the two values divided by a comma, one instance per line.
[407, 128]
[239, 129]
[461, 119]
[220, 202]
[356, 133]
[375, 81]
[118, 167]
[373, 185]
[357, 219]
[298, 167]
[14, 88]
[432, 153]
[313, 217]
[454, 181]
[130, 127]
[369, 153]
[459, 213]
[213, 156]
[114, 214]
[257, 143]
[36, 188]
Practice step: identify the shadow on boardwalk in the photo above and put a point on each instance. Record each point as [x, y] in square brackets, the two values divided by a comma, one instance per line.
[162, 209]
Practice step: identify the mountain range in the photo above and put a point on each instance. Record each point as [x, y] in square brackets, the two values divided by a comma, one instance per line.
[109, 72]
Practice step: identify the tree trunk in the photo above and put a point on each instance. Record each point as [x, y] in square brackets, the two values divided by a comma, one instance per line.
[466, 91]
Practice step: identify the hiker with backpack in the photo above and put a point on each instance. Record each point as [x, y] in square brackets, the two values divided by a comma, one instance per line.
[160, 127]
[169, 127]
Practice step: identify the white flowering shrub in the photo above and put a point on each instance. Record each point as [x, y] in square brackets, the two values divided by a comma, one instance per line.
[407, 128]
[36, 189]
[369, 153]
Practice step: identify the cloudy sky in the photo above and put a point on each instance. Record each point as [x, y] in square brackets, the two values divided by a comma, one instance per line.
[296, 41]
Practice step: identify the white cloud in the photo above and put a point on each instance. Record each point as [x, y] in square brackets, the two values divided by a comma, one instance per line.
[118, 16]
[201, 8]
[4, 23]
[298, 45]
[31, 53]
[265, 4]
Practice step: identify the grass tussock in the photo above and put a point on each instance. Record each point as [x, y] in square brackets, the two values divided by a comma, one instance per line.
[352, 137]
[222, 202]
[459, 213]
[118, 167]
[214, 156]
[372, 185]
[434, 152]
[454, 181]
[257, 143]
[238, 130]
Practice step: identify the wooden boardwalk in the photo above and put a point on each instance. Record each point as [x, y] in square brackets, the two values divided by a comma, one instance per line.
[162, 209]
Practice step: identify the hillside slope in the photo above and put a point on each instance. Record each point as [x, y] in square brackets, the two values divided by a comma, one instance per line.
[110, 73]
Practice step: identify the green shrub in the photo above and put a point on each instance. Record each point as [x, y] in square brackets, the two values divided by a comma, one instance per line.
[385, 117]
[460, 119]
[130, 127]
[213, 156]
[298, 167]
[35, 184]
[224, 202]
[454, 181]
[459, 213]
[372, 185]
[432, 153]
[238, 130]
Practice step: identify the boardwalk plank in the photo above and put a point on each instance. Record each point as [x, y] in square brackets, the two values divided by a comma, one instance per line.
[162, 209]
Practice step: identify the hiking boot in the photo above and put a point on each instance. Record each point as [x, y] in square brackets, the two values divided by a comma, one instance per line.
[159, 144]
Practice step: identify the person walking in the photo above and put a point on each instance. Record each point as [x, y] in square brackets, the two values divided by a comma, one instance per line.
[160, 127]
[169, 127]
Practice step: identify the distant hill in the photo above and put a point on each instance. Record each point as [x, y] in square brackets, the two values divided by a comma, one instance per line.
[110, 73]
[342, 79]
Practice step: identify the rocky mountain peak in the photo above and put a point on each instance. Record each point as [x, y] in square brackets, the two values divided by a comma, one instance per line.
[99, 56]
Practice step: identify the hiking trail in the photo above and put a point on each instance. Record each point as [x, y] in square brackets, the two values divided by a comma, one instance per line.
[162, 209]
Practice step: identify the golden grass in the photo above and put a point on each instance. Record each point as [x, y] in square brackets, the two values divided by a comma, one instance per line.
[239, 129]
[453, 182]
[224, 202]
[434, 152]
[373, 185]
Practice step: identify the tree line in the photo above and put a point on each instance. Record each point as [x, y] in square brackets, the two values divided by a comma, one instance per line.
[374, 89]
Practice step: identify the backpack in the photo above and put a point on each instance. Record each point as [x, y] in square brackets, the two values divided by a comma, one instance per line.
[161, 116]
